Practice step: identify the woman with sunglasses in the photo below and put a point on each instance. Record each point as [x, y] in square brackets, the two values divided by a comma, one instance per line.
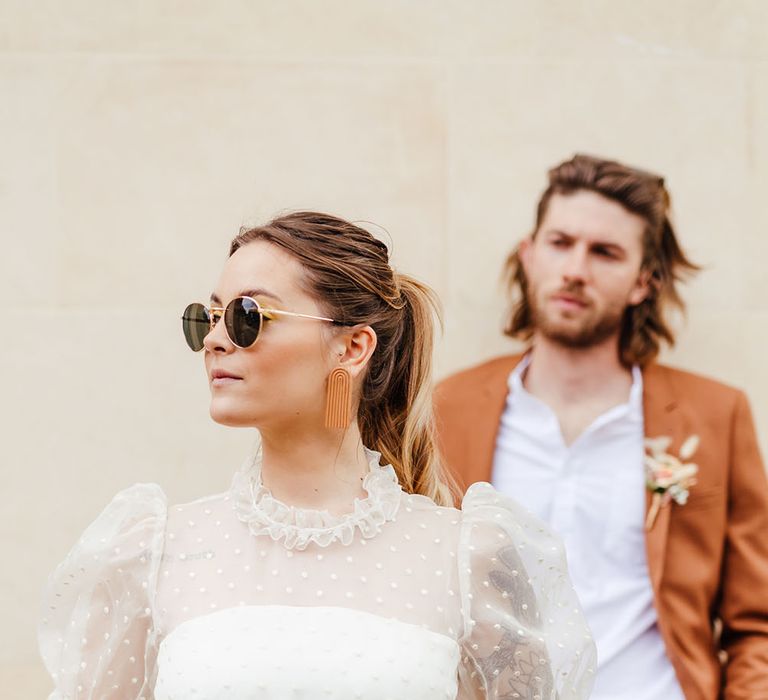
[335, 566]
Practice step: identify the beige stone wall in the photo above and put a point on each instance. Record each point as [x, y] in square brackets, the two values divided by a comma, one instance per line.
[138, 136]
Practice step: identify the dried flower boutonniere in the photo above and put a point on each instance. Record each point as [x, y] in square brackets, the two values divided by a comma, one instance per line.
[668, 477]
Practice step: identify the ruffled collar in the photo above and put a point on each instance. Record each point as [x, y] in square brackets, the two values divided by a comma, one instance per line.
[298, 527]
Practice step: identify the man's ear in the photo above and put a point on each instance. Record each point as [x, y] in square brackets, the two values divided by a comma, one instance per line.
[643, 287]
[357, 348]
[524, 252]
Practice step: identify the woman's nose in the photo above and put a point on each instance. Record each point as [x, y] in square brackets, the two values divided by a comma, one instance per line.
[217, 340]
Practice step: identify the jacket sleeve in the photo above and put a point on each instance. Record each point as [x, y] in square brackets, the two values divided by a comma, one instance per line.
[744, 606]
[452, 443]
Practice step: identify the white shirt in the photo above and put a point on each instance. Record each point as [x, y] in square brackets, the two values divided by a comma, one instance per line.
[592, 493]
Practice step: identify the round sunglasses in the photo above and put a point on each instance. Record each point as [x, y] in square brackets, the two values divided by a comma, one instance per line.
[243, 320]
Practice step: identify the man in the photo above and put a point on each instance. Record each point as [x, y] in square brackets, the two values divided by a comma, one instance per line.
[587, 431]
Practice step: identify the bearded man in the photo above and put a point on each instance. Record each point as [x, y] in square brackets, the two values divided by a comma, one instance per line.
[651, 475]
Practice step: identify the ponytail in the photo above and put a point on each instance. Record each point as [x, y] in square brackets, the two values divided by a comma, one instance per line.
[399, 422]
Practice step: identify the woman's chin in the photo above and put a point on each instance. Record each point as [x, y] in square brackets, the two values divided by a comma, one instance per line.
[231, 416]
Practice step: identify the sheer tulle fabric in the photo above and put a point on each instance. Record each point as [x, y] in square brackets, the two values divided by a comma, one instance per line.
[524, 631]
[240, 596]
[97, 636]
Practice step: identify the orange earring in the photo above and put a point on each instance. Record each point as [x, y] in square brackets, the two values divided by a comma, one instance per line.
[338, 399]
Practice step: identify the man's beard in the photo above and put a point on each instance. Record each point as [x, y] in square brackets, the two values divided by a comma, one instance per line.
[587, 332]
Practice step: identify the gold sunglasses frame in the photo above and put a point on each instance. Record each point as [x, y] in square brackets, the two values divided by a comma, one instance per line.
[217, 312]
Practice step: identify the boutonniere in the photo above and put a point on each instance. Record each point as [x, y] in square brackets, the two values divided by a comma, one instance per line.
[667, 477]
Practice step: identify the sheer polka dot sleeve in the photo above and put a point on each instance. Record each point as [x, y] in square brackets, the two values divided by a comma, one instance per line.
[96, 635]
[524, 633]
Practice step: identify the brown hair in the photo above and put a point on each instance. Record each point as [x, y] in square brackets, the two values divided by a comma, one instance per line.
[644, 326]
[348, 273]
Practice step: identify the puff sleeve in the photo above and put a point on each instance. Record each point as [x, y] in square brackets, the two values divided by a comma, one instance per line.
[524, 632]
[96, 635]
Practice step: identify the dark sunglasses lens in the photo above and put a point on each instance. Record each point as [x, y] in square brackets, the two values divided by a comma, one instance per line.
[242, 319]
[196, 324]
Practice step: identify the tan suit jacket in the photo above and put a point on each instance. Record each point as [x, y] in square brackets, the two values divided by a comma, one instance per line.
[707, 559]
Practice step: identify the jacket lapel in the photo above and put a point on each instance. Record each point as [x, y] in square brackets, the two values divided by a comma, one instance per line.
[661, 419]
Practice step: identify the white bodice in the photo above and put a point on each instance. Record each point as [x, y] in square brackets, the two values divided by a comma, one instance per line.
[269, 652]
[238, 596]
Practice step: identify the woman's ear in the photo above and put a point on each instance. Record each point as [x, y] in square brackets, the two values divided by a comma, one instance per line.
[359, 344]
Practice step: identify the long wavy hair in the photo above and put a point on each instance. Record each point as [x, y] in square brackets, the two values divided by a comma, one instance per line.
[644, 326]
[348, 273]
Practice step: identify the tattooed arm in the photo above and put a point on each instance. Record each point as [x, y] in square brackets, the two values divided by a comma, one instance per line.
[525, 636]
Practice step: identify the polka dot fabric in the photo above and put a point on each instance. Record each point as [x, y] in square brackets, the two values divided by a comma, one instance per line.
[97, 635]
[238, 596]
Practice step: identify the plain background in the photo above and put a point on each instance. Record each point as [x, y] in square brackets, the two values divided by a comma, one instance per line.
[137, 137]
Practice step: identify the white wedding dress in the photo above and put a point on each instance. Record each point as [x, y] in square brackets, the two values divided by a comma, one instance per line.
[240, 597]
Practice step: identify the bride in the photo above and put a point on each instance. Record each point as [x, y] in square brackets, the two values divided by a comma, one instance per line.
[335, 566]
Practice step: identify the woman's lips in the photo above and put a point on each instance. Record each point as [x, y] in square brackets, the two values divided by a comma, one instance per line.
[220, 377]
[224, 381]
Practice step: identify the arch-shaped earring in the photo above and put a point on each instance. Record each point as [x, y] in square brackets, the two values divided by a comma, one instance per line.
[338, 399]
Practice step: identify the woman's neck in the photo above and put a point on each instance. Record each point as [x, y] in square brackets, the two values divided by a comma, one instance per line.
[321, 470]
